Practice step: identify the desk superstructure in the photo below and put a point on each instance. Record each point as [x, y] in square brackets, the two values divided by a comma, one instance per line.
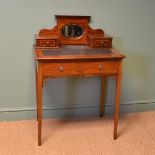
[73, 49]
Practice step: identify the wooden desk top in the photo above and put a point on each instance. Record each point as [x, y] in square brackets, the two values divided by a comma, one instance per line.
[77, 52]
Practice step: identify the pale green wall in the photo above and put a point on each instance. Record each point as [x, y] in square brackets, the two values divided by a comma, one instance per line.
[131, 23]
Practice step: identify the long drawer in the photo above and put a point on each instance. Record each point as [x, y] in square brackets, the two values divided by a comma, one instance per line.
[79, 68]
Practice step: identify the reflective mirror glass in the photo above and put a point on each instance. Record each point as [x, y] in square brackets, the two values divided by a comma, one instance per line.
[71, 31]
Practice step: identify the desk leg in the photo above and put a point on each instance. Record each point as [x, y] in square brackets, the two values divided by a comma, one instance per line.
[36, 74]
[102, 96]
[39, 100]
[117, 100]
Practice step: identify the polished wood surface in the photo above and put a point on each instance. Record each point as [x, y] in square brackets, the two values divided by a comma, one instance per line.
[117, 98]
[52, 38]
[102, 99]
[69, 60]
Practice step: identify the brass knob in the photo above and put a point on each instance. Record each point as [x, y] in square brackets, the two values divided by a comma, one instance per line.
[47, 43]
[61, 68]
[100, 67]
[102, 42]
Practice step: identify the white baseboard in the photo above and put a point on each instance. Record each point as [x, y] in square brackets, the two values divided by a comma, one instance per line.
[15, 113]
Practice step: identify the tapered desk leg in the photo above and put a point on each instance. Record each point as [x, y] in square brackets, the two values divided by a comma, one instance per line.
[102, 96]
[117, 100]
[36, 74]
[39, 100]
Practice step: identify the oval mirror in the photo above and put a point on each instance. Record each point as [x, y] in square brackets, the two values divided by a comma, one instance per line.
[71, 31]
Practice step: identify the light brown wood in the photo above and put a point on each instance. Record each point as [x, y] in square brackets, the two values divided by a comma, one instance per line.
[76, 60]
[79, 67]
[117, 98]
[36, 74]
[61, 69]
[102, 96]
[101, 67]
[39, 94]
[94, 38]
[99, 41]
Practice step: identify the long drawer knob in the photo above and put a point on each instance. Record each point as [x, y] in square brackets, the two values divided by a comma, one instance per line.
[100, 67]
[61, 68]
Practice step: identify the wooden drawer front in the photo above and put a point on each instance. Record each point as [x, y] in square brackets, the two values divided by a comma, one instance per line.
[46, 43]
[61, 69]
[100, 68]
[102, 43]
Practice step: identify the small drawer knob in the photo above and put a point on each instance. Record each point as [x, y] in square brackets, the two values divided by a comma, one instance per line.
[47, 43]
[100, 67]
[102, 42]
[61, 68]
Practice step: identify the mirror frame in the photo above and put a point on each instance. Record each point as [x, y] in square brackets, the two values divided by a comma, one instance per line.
[81, 21]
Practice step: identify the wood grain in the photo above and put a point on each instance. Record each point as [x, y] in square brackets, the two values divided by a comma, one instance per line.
[73, 57]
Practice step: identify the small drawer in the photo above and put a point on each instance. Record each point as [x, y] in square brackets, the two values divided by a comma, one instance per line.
[61, 69]
[100, 67]
[47, 43]
[102, 43]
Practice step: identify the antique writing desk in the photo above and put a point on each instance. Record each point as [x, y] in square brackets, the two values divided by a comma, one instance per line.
[70, 49]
